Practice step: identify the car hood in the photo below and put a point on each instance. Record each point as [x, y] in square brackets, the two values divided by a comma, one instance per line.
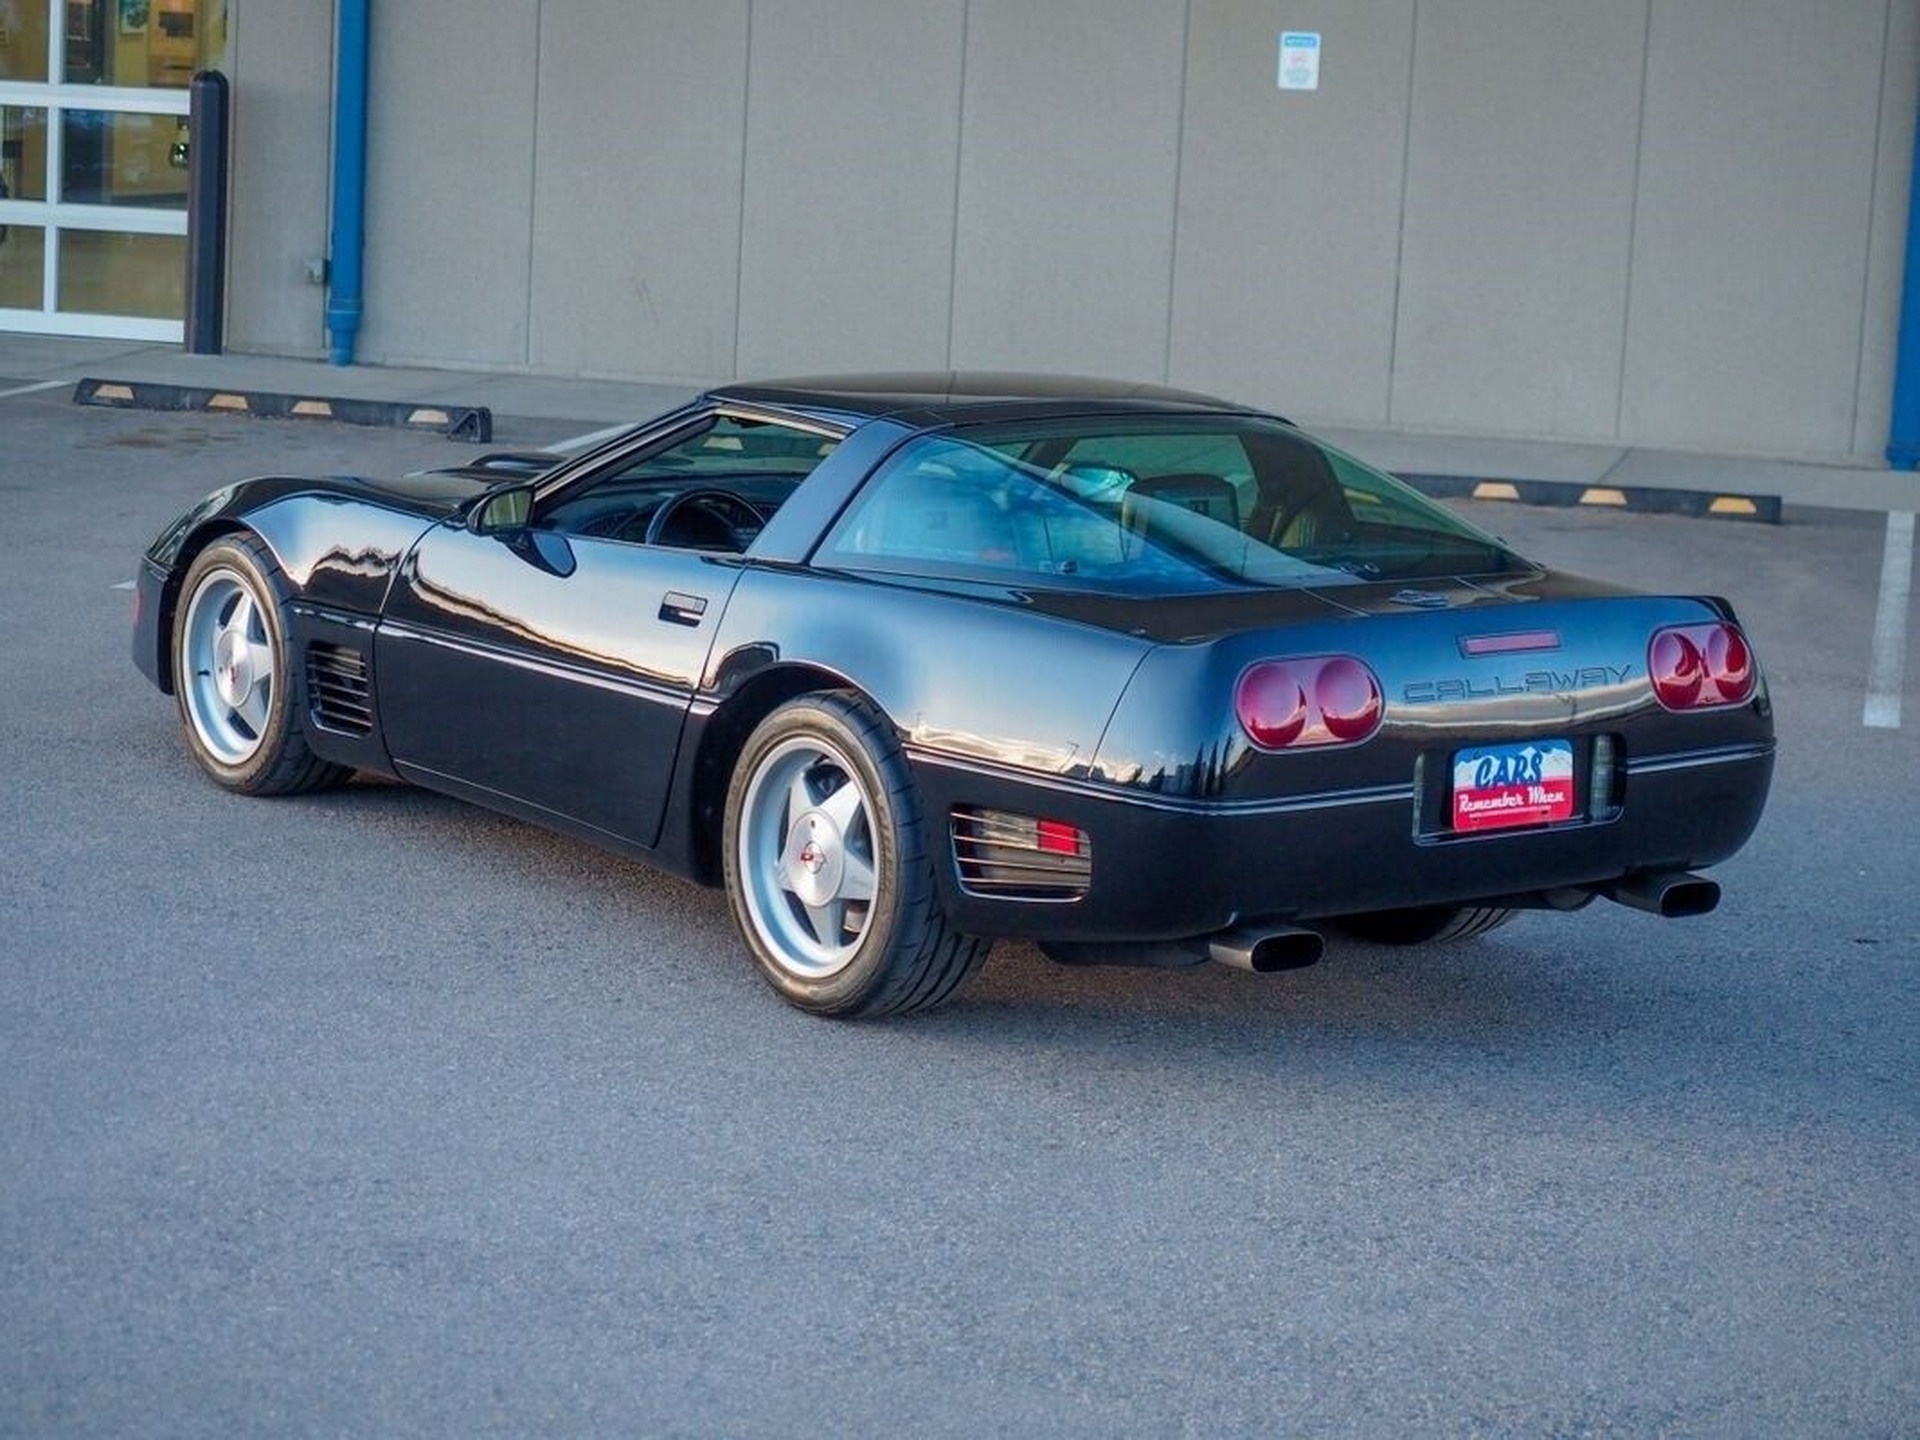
[446, 488]
[422, 500]
[428, 492]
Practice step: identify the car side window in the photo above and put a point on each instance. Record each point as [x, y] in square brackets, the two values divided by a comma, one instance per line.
[713, 489]
[1378, 506]
[1188, 468]
[729, 449]
[952, 506]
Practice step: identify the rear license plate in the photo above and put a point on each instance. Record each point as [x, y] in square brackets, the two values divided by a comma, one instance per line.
[1498, 786]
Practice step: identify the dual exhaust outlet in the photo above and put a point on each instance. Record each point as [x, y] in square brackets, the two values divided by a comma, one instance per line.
[1673, 895]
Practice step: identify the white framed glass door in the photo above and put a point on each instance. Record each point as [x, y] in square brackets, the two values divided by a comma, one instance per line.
[93, 149]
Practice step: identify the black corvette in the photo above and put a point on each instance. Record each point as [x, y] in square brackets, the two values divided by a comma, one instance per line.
[911, 662]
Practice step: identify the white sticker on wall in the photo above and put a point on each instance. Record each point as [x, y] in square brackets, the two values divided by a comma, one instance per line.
[1300, 60]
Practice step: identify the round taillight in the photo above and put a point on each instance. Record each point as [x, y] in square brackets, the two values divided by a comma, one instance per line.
[1676, 669]
[1272, 705]
[1730, 663]
[1348, 697]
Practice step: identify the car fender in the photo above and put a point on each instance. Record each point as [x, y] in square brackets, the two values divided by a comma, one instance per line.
[338, 542]
[962, 678]
[972, 688]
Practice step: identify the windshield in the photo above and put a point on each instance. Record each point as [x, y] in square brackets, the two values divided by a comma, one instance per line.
[1170, 506]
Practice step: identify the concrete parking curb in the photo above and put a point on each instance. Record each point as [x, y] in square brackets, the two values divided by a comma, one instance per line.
[1645, 499]
[456, 422]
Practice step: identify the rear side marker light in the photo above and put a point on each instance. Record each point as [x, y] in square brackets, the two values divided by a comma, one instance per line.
[1008, 856]
[1056, 837]
[1700, 667]
[1292, 704]
[1024, 832]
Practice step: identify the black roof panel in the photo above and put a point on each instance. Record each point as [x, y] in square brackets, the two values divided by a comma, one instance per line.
[944, 397]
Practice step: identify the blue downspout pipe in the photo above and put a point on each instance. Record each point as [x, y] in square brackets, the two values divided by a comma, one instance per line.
[1903, 445]
[347, 246]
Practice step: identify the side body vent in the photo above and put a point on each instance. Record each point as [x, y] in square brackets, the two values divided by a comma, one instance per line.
[1002, 856]
[337, 689]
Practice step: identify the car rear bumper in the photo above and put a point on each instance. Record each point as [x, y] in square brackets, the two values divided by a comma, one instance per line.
[1165, 869]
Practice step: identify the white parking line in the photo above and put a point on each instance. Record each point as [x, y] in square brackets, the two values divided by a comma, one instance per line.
[123, 585]
[1890, 626]
[587, 441]
[33, 389]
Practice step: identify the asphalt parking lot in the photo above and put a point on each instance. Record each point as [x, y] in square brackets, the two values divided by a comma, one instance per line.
[371, 1113]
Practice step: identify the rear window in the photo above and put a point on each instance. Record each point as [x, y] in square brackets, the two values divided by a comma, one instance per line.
[1172, 506]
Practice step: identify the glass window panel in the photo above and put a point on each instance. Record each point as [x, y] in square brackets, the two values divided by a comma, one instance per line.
[110, 158]
[85, 25]
[23, 153]
[23, 40]
[23, 250]
[103, 273]
[1165, 506]
[154, 43]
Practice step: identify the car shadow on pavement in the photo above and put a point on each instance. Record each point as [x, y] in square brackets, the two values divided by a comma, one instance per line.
[1518, 1004]
[1537, 997]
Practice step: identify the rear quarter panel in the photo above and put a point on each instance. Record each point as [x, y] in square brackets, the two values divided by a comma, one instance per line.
[969, 679]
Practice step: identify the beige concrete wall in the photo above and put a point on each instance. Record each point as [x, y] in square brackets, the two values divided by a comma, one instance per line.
[1288, 244]
[636, 214]
[1069, 153]
[1751, 242]
[450, 181]
[1518, 221]
[1662, 222]
[280, 53]
[1886, 237]
[847, 248]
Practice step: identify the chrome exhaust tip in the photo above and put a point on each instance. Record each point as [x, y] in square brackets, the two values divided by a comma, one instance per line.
[1675, 895]
[1267, 952]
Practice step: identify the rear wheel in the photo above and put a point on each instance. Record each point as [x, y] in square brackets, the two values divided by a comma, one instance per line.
[828, 881]
[231, 676]
[1427, 924]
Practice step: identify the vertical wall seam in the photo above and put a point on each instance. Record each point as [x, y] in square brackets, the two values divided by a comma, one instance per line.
[318, 293]
[740, 227]
[959, 154]
[533, 173]
[1633, 223]
[326, 177]
[1179, 173]
[1873, 201]
[1400, 239]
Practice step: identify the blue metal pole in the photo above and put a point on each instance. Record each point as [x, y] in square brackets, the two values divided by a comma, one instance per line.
[1903, 445]
[348, 244]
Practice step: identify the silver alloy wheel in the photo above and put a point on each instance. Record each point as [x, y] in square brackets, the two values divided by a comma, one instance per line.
[227, 668]
[806, 857]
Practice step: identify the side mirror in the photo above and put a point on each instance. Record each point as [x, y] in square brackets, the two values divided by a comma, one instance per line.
[501, 511]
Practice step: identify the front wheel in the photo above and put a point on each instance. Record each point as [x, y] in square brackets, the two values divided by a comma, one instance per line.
[231, 676]
[825, 871]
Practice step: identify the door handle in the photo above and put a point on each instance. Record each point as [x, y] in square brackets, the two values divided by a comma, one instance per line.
[679, 608]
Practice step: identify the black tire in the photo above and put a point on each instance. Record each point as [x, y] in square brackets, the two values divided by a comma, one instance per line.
[889, 954]
[1426, 925]
[265, 753]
